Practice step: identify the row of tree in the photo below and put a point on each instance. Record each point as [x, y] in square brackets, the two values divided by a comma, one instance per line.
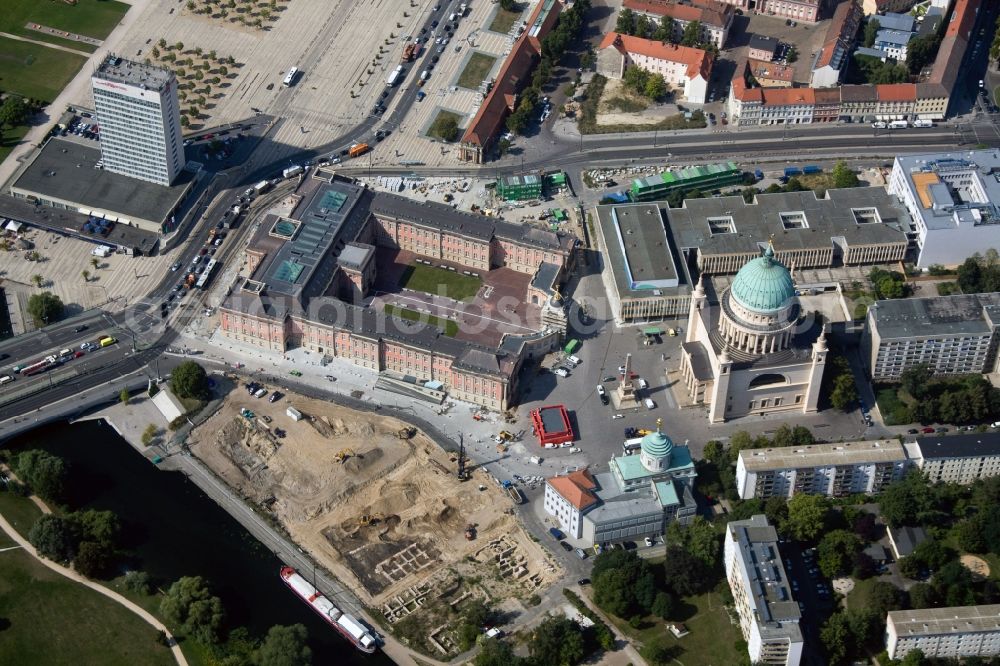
[90, 540]
[980, 273]
[952, 399]
[638, 24]
[554, 45]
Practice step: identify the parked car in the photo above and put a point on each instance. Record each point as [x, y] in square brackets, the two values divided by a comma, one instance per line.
[649, 403]
[276, 396]
[562, 372]
[927, 431]
[575, 360]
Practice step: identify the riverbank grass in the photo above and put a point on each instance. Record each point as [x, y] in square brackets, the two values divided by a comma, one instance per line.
[19, 511]
[66, 622]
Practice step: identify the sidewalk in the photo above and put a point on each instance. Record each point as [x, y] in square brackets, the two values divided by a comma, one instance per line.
[72, 575]
[75, 92]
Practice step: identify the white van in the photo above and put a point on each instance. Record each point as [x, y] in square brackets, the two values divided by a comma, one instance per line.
[6, 379]
[649, 403]
[424, 75]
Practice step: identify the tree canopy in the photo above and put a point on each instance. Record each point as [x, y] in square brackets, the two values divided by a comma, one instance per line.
[188, 380]
[53, 537]
[844, 176]
[284, 646]
[623, 583]
[45, 308]
[44, 473]
[557, 641]
[189, 605]
[807, 516]
[836, 552]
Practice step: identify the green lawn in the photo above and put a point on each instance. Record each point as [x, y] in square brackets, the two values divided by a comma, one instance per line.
[440, 282]
[10, 139]
[447, 326]
[893, 409]
[476, 70]
[36, 71]
[93, 18]
[436, 131]
[712, 639]
[19, 511]
[503, 20]
[861, 594]
[56, 621]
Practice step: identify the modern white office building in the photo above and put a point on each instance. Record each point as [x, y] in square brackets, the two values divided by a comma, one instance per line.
[954, 335]
[833, 470]
[953, 200]
[956, 632]
[769, 616]
[958, 458]
[139, 118]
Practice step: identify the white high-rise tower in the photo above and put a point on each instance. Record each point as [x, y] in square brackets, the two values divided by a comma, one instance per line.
[139, 118]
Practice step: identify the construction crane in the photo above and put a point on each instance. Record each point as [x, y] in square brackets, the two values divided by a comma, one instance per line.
[462, 474]
[344, 454]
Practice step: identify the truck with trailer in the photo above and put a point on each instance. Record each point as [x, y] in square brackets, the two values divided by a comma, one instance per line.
[811, 168]
[792, 171]
[411, 51]
[292, 171]
[261, 187]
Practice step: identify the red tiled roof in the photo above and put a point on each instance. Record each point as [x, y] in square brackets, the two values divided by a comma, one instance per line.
[963, 18]
[789, 96]
[896, 92]
[511, 79]
[576, 488]
[741, 90]
[764, 69]
[697, 61]
[827, 96]
[706, 12]
[846, 20]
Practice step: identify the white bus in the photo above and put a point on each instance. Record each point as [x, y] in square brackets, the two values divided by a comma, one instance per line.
[290, 77]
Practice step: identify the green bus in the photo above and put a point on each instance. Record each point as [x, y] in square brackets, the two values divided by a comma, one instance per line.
[571, 346]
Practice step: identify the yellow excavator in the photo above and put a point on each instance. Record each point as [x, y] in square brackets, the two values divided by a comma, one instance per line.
[370, 519]
[344, 454]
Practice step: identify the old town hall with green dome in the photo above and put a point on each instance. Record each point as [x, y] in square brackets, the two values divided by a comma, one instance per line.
[752, 353]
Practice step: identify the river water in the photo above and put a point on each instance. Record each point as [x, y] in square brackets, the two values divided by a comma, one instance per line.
[174, 530]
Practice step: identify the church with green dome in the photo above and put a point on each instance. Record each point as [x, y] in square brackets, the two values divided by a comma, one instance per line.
[753, 352]
[641, 493]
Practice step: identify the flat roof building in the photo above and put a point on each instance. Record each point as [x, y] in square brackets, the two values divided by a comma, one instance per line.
[954, 201]
[641, 271]
[954, 335]
[833, 470]
[769, 615]
[639, 495]
[958, 458]
[942, 633]
[140, 121]
[855, 226]
[64, 174]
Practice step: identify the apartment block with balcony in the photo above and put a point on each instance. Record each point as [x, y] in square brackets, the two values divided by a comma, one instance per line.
[768, 614]
[956, 459]
[834, 470]
[953, 335]
[944, 633]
